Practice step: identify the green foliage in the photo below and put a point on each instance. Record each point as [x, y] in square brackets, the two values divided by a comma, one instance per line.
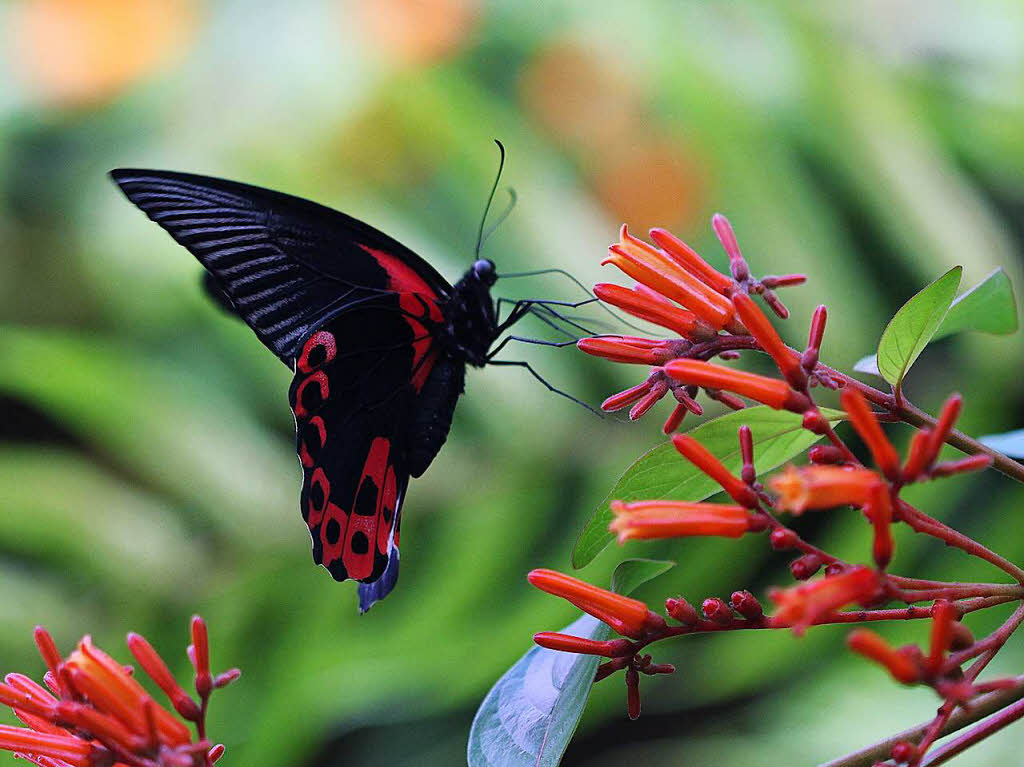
[913, 326]
[988, 307]
[662, 473]
[531, 713]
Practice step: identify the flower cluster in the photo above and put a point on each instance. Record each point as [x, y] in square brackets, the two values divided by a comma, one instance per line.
[715, 315]
[93, 713]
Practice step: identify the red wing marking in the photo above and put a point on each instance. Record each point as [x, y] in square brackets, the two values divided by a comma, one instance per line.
[320, 349]
[363, 522]
[314, 429]
[307, 401]
[332, 533]
[402, 278]
[319, 494]
[389, 500]
[419, 310]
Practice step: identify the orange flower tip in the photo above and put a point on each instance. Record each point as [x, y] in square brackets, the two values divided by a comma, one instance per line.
[568, 643]
[704, 460]
[627, 616]
[821, 487]
[867, 426]
[805, 604]
[47, 648]
[689, 259]
[901, 665]
[769, 391]
[761, 328]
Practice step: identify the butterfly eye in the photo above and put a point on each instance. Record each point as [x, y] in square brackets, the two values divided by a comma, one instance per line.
[484, 271]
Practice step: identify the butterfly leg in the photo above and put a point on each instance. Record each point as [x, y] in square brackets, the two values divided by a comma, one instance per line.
[548, 386]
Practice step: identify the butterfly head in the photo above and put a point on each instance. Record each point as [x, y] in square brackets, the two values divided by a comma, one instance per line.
[484, 271]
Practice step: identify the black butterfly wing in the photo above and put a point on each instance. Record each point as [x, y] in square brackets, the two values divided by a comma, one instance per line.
[284, 264]
[358, 400]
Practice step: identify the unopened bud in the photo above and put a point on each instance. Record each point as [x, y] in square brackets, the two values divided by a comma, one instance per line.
[746, 604]
[717, 611]
[806, 566]
[783, 539]
[681, 610]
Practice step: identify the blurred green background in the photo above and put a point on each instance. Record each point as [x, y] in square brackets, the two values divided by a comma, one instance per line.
[146, 465]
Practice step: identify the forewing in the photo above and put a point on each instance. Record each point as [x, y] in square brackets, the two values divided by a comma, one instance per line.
[284, 264]
[354, 396]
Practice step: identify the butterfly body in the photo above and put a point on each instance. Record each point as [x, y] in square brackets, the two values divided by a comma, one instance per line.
[377, 339]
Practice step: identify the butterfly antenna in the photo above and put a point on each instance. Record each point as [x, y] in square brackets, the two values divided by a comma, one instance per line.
[490, 198]
[581, 286]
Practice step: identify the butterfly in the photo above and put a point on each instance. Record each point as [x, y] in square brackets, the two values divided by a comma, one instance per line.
[377, 340]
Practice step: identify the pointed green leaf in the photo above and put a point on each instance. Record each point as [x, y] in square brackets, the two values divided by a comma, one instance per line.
[988, 307]
[662, 473]
[913, 326]
[531, 713]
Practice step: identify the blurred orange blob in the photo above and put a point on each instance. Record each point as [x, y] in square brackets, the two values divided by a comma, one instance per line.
[578, 97]
[78, 53]
[418, 31]
[650, 181]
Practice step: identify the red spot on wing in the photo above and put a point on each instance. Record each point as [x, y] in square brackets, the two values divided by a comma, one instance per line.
[321, 347]
[319, 378]
[332, 533]
[418, 312]
[388, 504]
[361, 536]
[304, 457]
[322, 487]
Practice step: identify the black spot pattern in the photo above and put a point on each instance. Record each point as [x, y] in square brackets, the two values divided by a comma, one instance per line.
[366, 501]
[333, 532]
[360, 543]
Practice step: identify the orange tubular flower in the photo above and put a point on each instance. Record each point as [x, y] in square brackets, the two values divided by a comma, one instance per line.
[769, 391]
[822, 487]
[654, 269]
[552, 640]
[872, 646]
[879, 511]
[804, 605]
[704, 460]
[630, 349]
[677, 519]
[764, 333]
[100, 715]
[944, 615]
[667, 315]
[691, 261]
[870, 430]
[628, 617]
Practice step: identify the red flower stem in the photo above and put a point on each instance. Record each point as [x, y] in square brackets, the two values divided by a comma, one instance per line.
[922, 523]
[956, 592]
[981, 707]
[993, 724]
[992, 642]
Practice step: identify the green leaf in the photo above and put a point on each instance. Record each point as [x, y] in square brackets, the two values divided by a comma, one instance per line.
[1009, 443]
[988, 307]
[913, 326]
[662, 473]
[531, 712]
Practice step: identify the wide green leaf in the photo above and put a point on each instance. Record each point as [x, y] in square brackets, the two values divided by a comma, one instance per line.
[531, 713]
[988, 307]
[662, 473]
[913, 326]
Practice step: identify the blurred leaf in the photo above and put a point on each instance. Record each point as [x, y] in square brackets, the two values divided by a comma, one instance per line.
[913, 326]
[868, 365]
[988, 307]
[1009, 443]
[531, 713]
[662, 473]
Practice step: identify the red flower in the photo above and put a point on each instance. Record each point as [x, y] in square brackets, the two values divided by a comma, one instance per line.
[764, 333]
[864, 421]
[631, 349]
[769, 391]
[900, 663]
[805, 604]
[656, 270]
[678, 519]
[705, 460]
[629, 617]
[691, 261]
[648, 305]
[552, 640]
[822, 487]
[100, 715]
